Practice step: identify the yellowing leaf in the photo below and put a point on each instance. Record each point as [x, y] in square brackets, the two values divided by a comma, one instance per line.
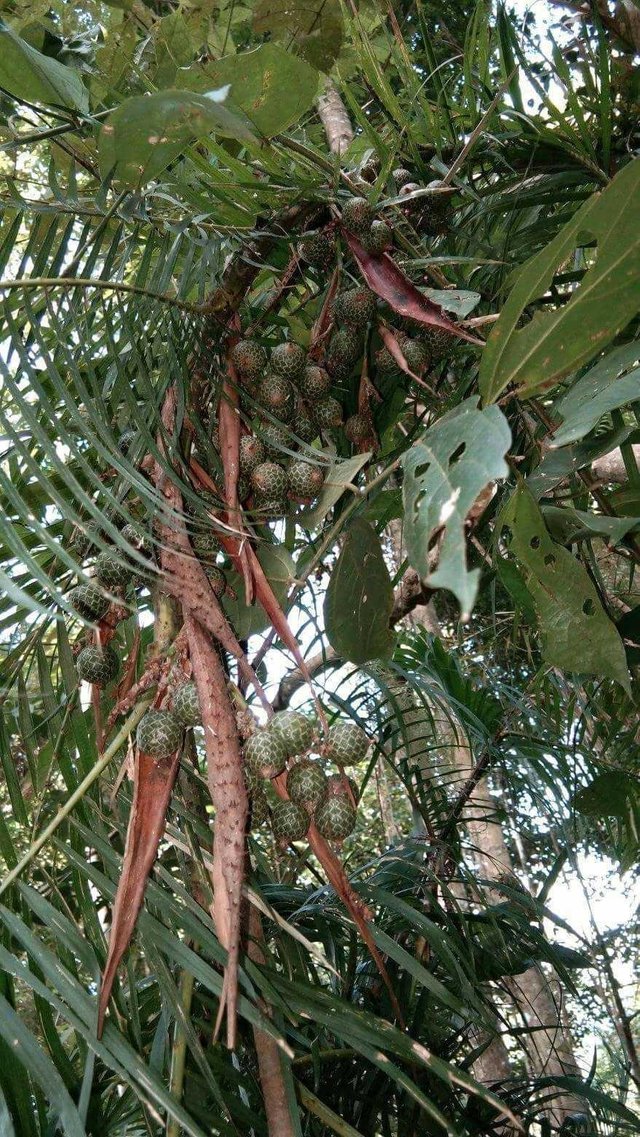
[556, 342]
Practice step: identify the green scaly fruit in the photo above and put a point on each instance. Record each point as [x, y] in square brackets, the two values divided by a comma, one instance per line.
[356, 306]
[307, 784]
[437, 341]
[358, 430]
[357, 214]
[435, 214]
[276, 394]
[138, 540]
[275, 438]
[401, 177]
[250, 359]
[346, 743]
[336, 818]
[83, 540]
[327, 414]
[296, 731]
[259, 805]
[159, 734]
[205, 545]
[339, 785]
[345, 348]
[378, 239]
[270, 508]
[217, 580]
[318, 249]
[304, 481]
[269, 481]
[186, 704]
[384, 362]
[265, 754]
[314, 383]
[305, 429]
[89, 601]
[97, 664]
[415, 353]
[288, 360]
[111, 571]
[290, 821]
[252, 453]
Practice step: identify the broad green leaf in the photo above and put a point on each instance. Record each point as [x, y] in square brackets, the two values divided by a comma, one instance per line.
[444, 472]
[339, 477]
[567, 525]
[608, 795]
[269, 85]
[556, 342]
[455, 300]
[28, 74]
[359, 598]
[577, 635]
[604, 388]
[314, 26]
[248, 620]
[148, 132]
[565, 462]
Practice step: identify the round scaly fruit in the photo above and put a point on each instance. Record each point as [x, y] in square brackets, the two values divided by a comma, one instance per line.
[276, 394]
[336, 818]
[83, 540]
[437, 341]
[378, 239]
[339, 785]
[345, 348]
[295, 730]
[159, 733]
[415, 354]
[97, 664]
[307, 784]
[318, 249]
[288, 359]
[252, 453]
[269, 481]
[358, 430]
[89, 601]
[250, 359]
[356, 306]
[304, 481]
[139, 540]
[186, 704]
[314, 383]
[327, 414]
[357, 215]
[205, 545]
[259, 805]
[385, 363]
[346, 743]
[290, 821]
[217, 580]
[275, 438]
[436, 211]
[401, 177]
[111, 571]
[265, 754]
[305, 429]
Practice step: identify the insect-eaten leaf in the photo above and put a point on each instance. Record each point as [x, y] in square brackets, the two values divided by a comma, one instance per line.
[270, 86]
[554, 343]
[314, 26]
[444, 473]
[27, 74]
[605, 387]
[609, 795]
[148, 132]
[577, 634]
[360, 598]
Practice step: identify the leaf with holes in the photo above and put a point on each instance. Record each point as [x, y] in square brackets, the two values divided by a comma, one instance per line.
[148, 132]
[359, 598]
[605, 387]
[557, 341]
[444, 472]
[29, 75]
[577, 634]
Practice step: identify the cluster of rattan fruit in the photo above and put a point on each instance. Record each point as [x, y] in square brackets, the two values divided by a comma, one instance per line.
[285, 747]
